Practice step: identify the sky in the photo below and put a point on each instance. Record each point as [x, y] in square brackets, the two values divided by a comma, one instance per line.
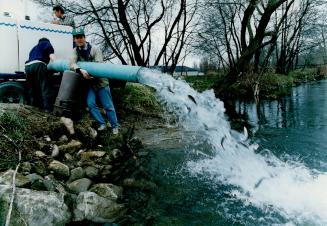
[20, 8]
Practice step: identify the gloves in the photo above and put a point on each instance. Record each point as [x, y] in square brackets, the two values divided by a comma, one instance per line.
[83, 72]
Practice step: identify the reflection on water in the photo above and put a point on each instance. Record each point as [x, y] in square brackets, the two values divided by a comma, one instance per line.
[302, 109]
[296, 124]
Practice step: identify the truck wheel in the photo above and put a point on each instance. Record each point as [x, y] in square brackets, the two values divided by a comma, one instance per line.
[11, 92]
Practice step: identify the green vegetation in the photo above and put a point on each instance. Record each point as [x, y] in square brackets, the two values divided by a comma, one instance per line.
[140, 99]
[201, 83]
[14, 135]
[271, 85]
[309, 74]
[15, 125]
[275, 85]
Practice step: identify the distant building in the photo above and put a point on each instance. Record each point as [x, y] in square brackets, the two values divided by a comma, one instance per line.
[179, 70]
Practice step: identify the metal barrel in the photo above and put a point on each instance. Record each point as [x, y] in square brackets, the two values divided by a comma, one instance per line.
[71, 97]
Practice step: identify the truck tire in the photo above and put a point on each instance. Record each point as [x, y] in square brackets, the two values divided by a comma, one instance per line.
[11, 92]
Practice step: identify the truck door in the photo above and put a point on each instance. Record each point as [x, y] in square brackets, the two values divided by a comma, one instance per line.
[9, 60]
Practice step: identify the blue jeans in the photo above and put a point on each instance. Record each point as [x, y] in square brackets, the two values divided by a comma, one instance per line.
[105, 98]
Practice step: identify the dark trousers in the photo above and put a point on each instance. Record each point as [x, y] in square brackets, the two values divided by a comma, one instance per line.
[38, 82]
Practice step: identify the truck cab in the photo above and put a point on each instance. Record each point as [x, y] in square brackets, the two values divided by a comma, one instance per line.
[17, 38]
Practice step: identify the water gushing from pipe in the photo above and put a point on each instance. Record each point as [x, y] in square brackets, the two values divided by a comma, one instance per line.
[290, 188]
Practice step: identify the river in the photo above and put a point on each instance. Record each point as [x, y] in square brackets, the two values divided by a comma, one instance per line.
[208, 174]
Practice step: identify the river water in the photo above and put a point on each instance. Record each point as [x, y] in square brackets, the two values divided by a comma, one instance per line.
[208, 174]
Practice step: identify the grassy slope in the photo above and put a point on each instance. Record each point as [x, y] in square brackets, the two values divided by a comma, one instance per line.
[271, 85]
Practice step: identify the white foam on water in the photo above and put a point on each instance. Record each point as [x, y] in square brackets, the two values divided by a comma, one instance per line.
[290, 188]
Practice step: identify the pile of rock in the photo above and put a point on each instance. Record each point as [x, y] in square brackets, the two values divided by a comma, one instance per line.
[65, 182]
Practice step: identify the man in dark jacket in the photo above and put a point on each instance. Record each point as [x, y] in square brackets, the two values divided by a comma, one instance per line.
[38, 74]
[99, 87]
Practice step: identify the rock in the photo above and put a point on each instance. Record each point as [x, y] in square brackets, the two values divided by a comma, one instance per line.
[36, 182]
[69, 124]
[86, 134]
[135, 143]
[38, 185]
[70, 200]
[52, 184]
[79, 185]
[69, 157]
[108, 191]
[76, 174]
[106, 171]
[91, 171]
[40, 154]
[92, 154]
[59, 168]
[80, 163]
[92, 207]
[80, 152]
[54, 151]
[41, 144]
[6, 178]
[107, 159]
[116, 153]
[63, 138]
[60, 188]
[92, 132]
[33, 177]
[47, 138]
[25, 167]
[49, 184]
[40, 168]
[71, 147]
[33, 207]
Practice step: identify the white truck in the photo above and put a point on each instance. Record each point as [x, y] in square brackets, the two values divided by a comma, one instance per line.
[17, 38]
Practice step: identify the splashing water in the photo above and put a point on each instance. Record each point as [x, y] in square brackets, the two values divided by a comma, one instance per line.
[263, 180]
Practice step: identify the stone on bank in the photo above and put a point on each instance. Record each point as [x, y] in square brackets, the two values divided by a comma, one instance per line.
[33, 207]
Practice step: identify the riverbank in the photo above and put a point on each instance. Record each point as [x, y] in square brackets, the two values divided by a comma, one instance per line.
[69, 173]
[268, 86]
[104, 164]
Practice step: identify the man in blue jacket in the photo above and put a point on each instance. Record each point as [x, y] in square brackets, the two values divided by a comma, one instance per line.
[38, 74]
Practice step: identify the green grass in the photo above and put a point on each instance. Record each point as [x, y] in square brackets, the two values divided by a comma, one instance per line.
[15, 128]
[272, 85]
[140, 98]
[304, 75]
[201, 83]
[275, 85]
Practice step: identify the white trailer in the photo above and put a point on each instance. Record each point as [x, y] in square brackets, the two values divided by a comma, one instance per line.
[17, 38]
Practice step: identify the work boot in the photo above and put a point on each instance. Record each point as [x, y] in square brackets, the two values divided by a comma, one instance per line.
[115, 131]
[101, 127]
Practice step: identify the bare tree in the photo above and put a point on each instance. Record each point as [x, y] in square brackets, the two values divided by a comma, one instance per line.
[293, 27]
[250, 35]
[220, 37]
[256, 31]
[134, 30]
